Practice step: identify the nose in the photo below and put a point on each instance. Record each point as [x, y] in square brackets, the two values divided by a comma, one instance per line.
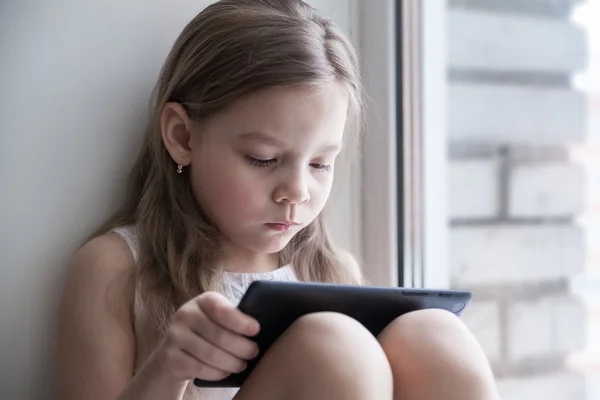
[292, 188]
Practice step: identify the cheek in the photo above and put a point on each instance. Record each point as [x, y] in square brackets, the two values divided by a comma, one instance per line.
[224, 192]
[237, 196]
[321, 192]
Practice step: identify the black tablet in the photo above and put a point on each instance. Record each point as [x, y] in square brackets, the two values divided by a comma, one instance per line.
[276, 305]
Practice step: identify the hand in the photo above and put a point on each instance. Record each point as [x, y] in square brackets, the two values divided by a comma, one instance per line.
[207, 339]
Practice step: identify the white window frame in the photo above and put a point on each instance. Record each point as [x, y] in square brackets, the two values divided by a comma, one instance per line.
[433, 17]
[424, 255]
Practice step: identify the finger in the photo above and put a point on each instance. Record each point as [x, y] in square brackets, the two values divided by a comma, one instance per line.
[220, 310]
[197, 369]
[209, 354]
[235, 344]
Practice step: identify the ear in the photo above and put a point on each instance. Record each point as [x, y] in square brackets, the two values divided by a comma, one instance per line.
[176, 131]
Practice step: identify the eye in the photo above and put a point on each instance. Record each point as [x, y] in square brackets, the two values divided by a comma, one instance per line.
[321, 167]
[257, 162]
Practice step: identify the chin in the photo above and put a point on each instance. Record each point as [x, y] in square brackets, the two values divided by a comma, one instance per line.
[274, 248]
[270, 245]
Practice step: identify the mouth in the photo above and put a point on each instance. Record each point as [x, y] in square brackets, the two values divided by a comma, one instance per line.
[283, 226]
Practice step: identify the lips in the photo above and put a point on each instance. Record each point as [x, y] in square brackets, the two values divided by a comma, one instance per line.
[283, 226]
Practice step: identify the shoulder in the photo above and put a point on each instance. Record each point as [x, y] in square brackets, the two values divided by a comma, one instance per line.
[109, 247]
[96, 341]
[107, 256]
[103, 264]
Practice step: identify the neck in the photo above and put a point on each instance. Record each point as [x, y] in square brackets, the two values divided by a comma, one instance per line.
[239, 260]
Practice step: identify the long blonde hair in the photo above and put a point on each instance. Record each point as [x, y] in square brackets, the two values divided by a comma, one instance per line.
[231, 49]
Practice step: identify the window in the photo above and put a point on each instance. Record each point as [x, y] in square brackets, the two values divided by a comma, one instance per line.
[522, 144]
[488, 176]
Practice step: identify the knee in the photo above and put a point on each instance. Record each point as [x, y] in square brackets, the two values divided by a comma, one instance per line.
[329, 323]
[341, 339]
[422, 326]
[432, 341]
[334, 330]
[334, 356]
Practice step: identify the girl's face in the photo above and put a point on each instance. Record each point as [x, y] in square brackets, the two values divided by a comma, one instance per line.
[263, 168]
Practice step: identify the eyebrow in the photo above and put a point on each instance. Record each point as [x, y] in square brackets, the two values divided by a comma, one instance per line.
[262, 137]
[258, 136]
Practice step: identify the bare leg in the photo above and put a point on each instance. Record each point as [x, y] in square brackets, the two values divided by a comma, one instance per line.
[434, 356]
[322, 356]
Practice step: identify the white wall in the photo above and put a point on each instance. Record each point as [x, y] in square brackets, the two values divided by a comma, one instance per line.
[75, 80]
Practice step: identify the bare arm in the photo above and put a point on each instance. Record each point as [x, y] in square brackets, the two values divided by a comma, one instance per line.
[96, 344]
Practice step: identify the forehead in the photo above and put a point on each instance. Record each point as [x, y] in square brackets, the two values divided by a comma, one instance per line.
[293, 115]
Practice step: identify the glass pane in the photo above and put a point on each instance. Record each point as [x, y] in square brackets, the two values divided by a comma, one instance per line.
[524, 189]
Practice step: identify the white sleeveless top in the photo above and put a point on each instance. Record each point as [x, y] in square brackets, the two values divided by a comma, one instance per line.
[236, 284]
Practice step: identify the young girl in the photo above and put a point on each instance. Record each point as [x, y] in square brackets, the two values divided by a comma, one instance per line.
[250, 112]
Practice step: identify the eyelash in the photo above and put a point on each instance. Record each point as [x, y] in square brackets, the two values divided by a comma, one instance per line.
[321, 167]
[260, 163]
[266, 163]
